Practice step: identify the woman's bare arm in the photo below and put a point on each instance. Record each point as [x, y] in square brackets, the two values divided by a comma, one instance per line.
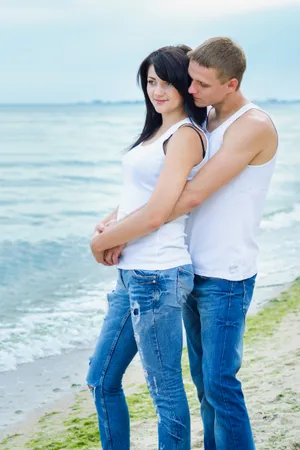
[184, 152]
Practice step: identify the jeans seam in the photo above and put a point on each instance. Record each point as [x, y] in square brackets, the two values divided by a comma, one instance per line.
[186, 305]
[160, 360]
[101, 380]
[121, 278]
[180, 286]
[178, 289]
[182, 269]
[244, 299]
[224, 397]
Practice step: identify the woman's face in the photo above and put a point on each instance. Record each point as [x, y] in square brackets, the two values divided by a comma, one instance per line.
[163, 95]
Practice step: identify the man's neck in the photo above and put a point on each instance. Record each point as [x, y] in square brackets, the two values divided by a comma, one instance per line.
[229, 106]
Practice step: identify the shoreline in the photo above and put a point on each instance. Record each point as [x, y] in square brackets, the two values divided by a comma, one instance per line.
[57, 376]
[271, 361]
[36, 388]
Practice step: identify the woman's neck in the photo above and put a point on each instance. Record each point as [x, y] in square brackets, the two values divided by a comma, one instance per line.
[168, 120]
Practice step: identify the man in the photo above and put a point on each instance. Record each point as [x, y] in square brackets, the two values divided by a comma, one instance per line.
[226, 199]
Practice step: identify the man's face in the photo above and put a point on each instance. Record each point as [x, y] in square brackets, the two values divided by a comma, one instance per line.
[206, 88]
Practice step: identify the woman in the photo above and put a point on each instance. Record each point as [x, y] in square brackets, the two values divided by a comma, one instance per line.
[155, 274]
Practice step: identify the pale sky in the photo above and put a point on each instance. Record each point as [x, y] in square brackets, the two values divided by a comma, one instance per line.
[57, 51]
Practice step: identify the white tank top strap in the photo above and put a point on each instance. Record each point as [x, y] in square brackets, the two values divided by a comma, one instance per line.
[237, 115]
[202, 137]
[230, 119]
[169, 133]
[165, 136]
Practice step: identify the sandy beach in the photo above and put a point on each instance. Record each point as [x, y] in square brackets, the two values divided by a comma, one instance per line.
[270, 376]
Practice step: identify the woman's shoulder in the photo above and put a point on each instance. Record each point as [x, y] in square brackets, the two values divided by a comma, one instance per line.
[191, 132]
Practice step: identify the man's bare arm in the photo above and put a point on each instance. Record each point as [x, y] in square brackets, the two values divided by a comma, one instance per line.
[251, 139]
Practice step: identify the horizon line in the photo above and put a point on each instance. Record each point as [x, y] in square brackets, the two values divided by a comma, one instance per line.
[120, 102]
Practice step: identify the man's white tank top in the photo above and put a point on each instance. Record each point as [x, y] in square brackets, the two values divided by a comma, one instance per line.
[166, 247]
[222, 231]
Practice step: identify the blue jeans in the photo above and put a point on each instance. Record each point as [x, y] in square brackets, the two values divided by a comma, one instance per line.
[144, 315]
[214, 319]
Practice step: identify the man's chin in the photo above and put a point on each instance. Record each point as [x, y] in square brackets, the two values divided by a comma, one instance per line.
[199, 103]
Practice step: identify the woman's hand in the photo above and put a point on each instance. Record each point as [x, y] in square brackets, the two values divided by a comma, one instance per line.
[111, 256]
[99, 256]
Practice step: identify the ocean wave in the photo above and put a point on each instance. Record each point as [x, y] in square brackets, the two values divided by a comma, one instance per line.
[53, 299]
[282, 219]
[18, 258]
[41, 332]
[65, 321]
[59, 180]
[87, 179]
[60, 163]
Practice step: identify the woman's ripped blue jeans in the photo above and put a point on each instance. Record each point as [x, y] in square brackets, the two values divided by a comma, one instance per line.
[145, 316]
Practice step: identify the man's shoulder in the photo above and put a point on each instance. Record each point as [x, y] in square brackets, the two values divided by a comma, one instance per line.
[259, 117]
[254, 121]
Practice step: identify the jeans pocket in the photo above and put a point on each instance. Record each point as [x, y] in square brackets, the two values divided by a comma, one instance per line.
[248, 293]
[185, 283]
[144, 276]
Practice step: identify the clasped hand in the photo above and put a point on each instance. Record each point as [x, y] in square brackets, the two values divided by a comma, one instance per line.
[111, 256]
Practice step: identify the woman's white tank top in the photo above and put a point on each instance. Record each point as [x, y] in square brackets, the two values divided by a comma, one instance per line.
[166, 247]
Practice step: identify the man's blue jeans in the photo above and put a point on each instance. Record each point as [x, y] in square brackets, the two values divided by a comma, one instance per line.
[214, 319]
[144, 315]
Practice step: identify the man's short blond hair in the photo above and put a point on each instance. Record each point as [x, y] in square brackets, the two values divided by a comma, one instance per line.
[222, 54]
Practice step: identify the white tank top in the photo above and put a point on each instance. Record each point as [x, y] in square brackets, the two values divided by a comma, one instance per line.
[166, 247]
[222, 231]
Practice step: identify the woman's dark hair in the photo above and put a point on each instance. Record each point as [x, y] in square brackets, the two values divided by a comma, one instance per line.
[171, 65]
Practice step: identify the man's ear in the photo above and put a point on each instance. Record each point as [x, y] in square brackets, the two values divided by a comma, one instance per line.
[233, 84]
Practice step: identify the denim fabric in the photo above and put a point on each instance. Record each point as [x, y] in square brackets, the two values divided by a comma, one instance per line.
[214, 318]
[144, 315]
